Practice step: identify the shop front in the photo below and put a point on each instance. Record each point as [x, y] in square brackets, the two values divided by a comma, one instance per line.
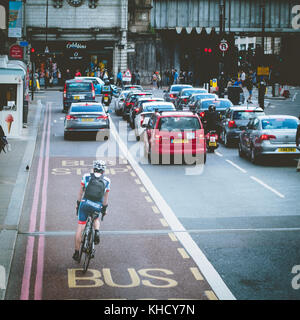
[11, 104]
[89, 58]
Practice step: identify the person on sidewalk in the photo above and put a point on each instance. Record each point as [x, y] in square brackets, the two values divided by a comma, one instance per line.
[249, 86]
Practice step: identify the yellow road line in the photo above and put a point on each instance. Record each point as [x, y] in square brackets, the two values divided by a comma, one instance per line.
[132, 173]
[183, 253]
[129, 167]
[148, 199]
[197, 274]
[137, 181]
[143, 189]
[210, 295]
[155, 209]
[112, 171]
[164, 222]
[172, 237]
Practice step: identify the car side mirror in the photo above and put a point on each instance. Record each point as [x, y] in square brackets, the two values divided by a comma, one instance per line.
[243, 128]
[165, 91]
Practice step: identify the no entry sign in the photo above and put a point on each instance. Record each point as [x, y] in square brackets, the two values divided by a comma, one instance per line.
[224, 46]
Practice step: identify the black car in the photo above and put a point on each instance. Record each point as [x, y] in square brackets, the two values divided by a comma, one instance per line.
[137, 107]
[221, 104]
[171, 94]
[234, 118]
[130, 101]
[77, 91]
[185, 94]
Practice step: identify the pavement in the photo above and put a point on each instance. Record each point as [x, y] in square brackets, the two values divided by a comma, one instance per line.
[13, 181]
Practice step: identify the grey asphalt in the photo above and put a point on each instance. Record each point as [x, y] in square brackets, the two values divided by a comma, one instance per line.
[246, 232]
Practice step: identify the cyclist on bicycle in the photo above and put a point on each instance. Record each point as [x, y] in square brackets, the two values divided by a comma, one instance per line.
[85, 205]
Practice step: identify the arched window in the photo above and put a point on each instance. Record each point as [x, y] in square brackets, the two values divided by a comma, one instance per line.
[2, 17]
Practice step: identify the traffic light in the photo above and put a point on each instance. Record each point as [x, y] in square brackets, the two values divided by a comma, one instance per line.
[32, 54]
[208, 50]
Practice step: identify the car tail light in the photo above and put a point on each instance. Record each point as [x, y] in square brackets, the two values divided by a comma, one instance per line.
[265, 137]
[202, 114]
[185, 100]
[172, 96]
[102, 117]
[158, 139]
[137, 110]
[69, 117]
[231, 124]
[106, 95]
[142, 120]
[93, 91]
[65, 91]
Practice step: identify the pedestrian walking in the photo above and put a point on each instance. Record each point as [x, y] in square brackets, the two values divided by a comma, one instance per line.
[78, 73]
[261, 92]
[119, 79]
[176, 76]
[154, 80]
[158, 80]
[137, 77]
[249, 86]
[243, 78]
[167, 75]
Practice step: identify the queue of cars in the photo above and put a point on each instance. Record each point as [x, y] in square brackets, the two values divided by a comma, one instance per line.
[173, 125]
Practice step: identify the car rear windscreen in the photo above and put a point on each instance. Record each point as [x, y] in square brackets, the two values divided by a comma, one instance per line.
[190, 92]
[219, 104]
[205, 96]
[158, 107]
[87, 109]
[178, 124]
[79, 87]
[279, 123]
[178, 88]
[246, 114]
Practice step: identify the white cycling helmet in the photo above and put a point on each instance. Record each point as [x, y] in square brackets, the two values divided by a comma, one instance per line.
[99, 166]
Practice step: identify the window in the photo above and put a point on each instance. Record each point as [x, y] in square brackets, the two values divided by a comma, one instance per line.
[2, 17]
[279, 123]
[178, 124]
[79, 87]
[8, 97]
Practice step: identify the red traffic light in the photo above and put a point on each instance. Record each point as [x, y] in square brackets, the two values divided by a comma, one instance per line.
[32, 50]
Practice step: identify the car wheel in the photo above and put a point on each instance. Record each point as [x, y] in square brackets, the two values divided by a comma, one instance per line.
[138, 138]
[253, 156]
[226, 140]
[241, 151]
[66, 135]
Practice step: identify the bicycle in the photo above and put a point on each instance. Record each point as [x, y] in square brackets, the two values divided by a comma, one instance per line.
[87, 245]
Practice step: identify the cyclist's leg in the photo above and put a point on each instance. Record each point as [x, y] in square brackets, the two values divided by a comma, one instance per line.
[82, 217]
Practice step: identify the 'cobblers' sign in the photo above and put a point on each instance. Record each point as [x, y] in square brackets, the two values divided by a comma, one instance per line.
[75, 45]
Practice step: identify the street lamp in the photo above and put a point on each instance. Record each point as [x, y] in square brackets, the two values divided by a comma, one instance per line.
[46, 47]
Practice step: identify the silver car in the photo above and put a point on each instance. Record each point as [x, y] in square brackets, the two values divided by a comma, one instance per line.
[273, 135]
[87, 117]
[118, 102]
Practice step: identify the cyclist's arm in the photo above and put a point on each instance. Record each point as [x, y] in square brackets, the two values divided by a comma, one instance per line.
[105, 198]
[81, 191]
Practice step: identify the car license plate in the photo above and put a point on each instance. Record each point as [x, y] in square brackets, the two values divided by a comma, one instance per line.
[190, 135]
[105, 98]
[212, 139]
[76, 97]
[179, 141]
[286, 149]
[212, 144]
[87, 119]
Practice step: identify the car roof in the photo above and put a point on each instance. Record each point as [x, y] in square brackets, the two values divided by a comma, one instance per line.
[155, 103]
[178, 114]
[243, 108]
[86, 104]
[217, 99]
[156, 99]
[276, 116]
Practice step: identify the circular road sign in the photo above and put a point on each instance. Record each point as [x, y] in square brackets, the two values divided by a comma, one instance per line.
[223, 46]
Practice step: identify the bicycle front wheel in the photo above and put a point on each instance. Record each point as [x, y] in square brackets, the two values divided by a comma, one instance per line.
[89, 251]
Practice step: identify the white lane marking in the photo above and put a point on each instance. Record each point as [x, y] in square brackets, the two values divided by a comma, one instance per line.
[267, 187]
[218, 154]
[207, 269]
[294, 97]
[236, 166]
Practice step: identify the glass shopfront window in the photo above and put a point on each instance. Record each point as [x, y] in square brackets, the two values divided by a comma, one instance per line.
[8, 97]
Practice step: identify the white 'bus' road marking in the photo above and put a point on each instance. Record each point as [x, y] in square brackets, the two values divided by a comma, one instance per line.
[267, 187]
[236, 166]
[207, 269]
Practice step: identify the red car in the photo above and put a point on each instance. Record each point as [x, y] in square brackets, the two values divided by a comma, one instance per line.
[174, 135]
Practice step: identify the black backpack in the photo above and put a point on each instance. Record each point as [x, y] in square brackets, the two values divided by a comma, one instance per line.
[95, 189]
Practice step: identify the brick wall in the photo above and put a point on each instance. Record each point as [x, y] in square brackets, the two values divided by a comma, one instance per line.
[106, 15]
